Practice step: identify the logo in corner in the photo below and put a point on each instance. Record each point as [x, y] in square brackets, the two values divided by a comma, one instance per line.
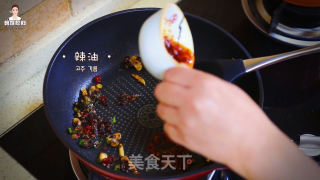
[15, 20]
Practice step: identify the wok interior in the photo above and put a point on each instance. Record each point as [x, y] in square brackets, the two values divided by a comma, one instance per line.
[118, 36]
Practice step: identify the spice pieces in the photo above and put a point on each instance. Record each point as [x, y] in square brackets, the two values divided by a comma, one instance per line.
[127, 165]
[139, 79]
[126, 99]
[121, 150]
[124, 164]
[113, 119]
[97, 79]
[88, 128]
[114, 140]
[103, 100]
[161, 145]
[106, 160]
[133, 61]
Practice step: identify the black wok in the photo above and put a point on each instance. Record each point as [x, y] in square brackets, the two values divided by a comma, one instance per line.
[117, 35]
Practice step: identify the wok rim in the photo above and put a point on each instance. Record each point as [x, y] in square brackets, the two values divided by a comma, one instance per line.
[109, 172]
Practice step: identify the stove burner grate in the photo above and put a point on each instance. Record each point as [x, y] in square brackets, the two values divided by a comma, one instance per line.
[289, 23]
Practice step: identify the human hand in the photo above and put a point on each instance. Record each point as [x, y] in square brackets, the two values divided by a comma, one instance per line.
[205, 113]
[220, 121]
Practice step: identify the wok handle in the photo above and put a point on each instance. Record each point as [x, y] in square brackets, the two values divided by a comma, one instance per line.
[261, 62]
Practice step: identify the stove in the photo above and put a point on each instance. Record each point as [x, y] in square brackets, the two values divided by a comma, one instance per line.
[292, 96]
[286, 22]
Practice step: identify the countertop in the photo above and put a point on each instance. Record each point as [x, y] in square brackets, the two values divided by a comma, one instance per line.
[21, 76]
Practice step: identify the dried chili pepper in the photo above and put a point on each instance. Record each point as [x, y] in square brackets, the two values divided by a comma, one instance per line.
[126, 99]
[136, 62]
[87, 129]
[103, 100]
[139, 79]
[91, 130]
[97, 79]
[133, 61]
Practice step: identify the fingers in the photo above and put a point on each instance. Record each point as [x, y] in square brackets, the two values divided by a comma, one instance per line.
[186, 76]
[170, 93]
[173, 133]
[169, 114]
[180, 75]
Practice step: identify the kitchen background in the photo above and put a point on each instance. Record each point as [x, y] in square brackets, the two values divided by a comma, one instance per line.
[29, 149]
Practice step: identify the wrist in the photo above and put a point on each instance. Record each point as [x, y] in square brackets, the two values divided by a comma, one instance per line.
[257, 146]
[273, 156]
